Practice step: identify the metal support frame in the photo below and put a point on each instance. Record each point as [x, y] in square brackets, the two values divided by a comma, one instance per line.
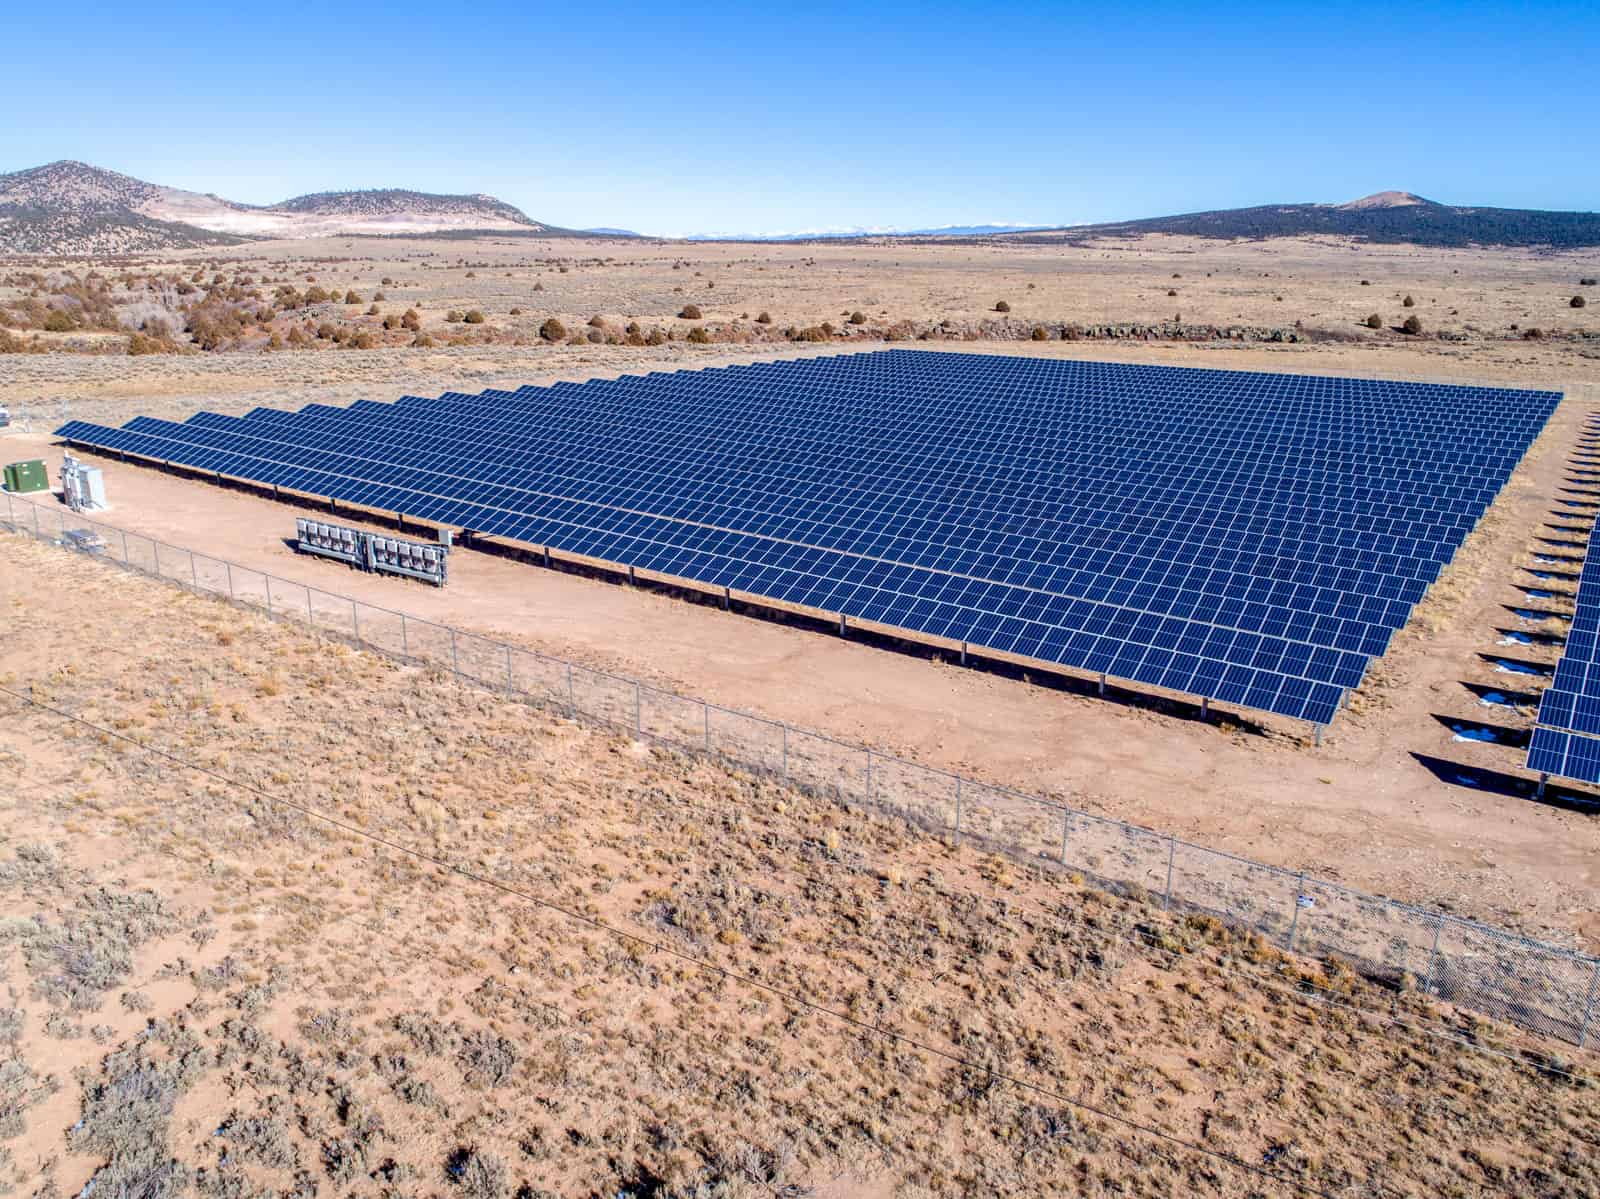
[633, 580]
[1102, 684]
[1205, 708]
[1172, 852]
[843, 619]
[963, 653]
[727, 600]
[547, 557]
[1538, 791]
[1294, 917]
[1433, 957]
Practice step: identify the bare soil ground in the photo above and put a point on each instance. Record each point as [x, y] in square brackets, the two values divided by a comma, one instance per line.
[1395, 801]
[521, 956]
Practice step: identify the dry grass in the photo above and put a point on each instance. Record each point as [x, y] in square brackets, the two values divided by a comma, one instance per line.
[308, 1008]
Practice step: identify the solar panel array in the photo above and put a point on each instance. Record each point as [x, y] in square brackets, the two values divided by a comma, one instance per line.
[1566, 740]
[1250, 538]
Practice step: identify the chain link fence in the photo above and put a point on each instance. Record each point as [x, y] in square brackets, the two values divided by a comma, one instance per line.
[1543, 988]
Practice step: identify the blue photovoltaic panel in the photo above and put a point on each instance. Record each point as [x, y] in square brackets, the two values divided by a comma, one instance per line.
[1251, 538]
[1567, 739]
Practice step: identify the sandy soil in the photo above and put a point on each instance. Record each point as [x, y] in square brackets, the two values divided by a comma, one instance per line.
[1382, 806]
[536, 959]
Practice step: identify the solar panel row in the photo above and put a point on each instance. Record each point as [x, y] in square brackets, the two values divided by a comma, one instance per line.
[1566, 740]
[1252, 539]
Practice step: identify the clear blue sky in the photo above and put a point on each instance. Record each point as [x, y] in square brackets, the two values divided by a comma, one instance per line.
[678, 118]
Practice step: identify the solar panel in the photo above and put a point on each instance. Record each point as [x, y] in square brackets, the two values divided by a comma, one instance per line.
[1566, 741]
[1249, 538]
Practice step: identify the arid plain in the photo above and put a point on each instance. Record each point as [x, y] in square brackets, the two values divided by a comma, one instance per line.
[246, 928]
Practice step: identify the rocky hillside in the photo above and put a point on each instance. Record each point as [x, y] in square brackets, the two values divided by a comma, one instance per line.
[1387, 217]
[72, 208]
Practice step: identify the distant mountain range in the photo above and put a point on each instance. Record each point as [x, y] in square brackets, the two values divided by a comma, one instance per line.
[1386, 217]
[862, 231]
[72, 208]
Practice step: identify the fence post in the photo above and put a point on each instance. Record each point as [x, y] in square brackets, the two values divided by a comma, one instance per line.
[310, 619]
[869, 778]
[1172, 851]
[1588, 1007]
[785, 752]
[194, 572]
[958, 809]
[572, 702]
[265, 577]
[706, 709]
[355, 621]
[126, 561]
[405, 638]
[638, 710]
[1294, 915]
[454, 668]
[1066, 823]
[1427, 981]
[37, 536]
[511, 685]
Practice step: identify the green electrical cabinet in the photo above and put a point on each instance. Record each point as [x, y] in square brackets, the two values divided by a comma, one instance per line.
[27, 476]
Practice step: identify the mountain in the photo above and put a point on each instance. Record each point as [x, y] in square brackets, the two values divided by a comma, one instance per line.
[72, 208]
[860, 231]
[1387, 217]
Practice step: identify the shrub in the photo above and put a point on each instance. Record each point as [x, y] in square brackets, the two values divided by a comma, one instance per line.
[140, 344]
[57, 322]
[1412, 326]
[538, 287]
[1172, 291]
[1366, 283]
[316, 295]
[691, 312]
[633, 328]
[1408, 302]
[372, 311]
[656, 338]
[595, 336]
[858, 317]
[1374, 321]
[453, 317]
[764, 318]
[699, 336]
[473, 317]
[1577, 302]
[597, 322]
[1002, 306]
[326, 331]
[516, 312]
[1039, 333]
[553, 330]
[352, 297]
[378, 296]
[412, 320]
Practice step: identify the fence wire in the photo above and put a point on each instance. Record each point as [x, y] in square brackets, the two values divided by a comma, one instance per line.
[1540, 987]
